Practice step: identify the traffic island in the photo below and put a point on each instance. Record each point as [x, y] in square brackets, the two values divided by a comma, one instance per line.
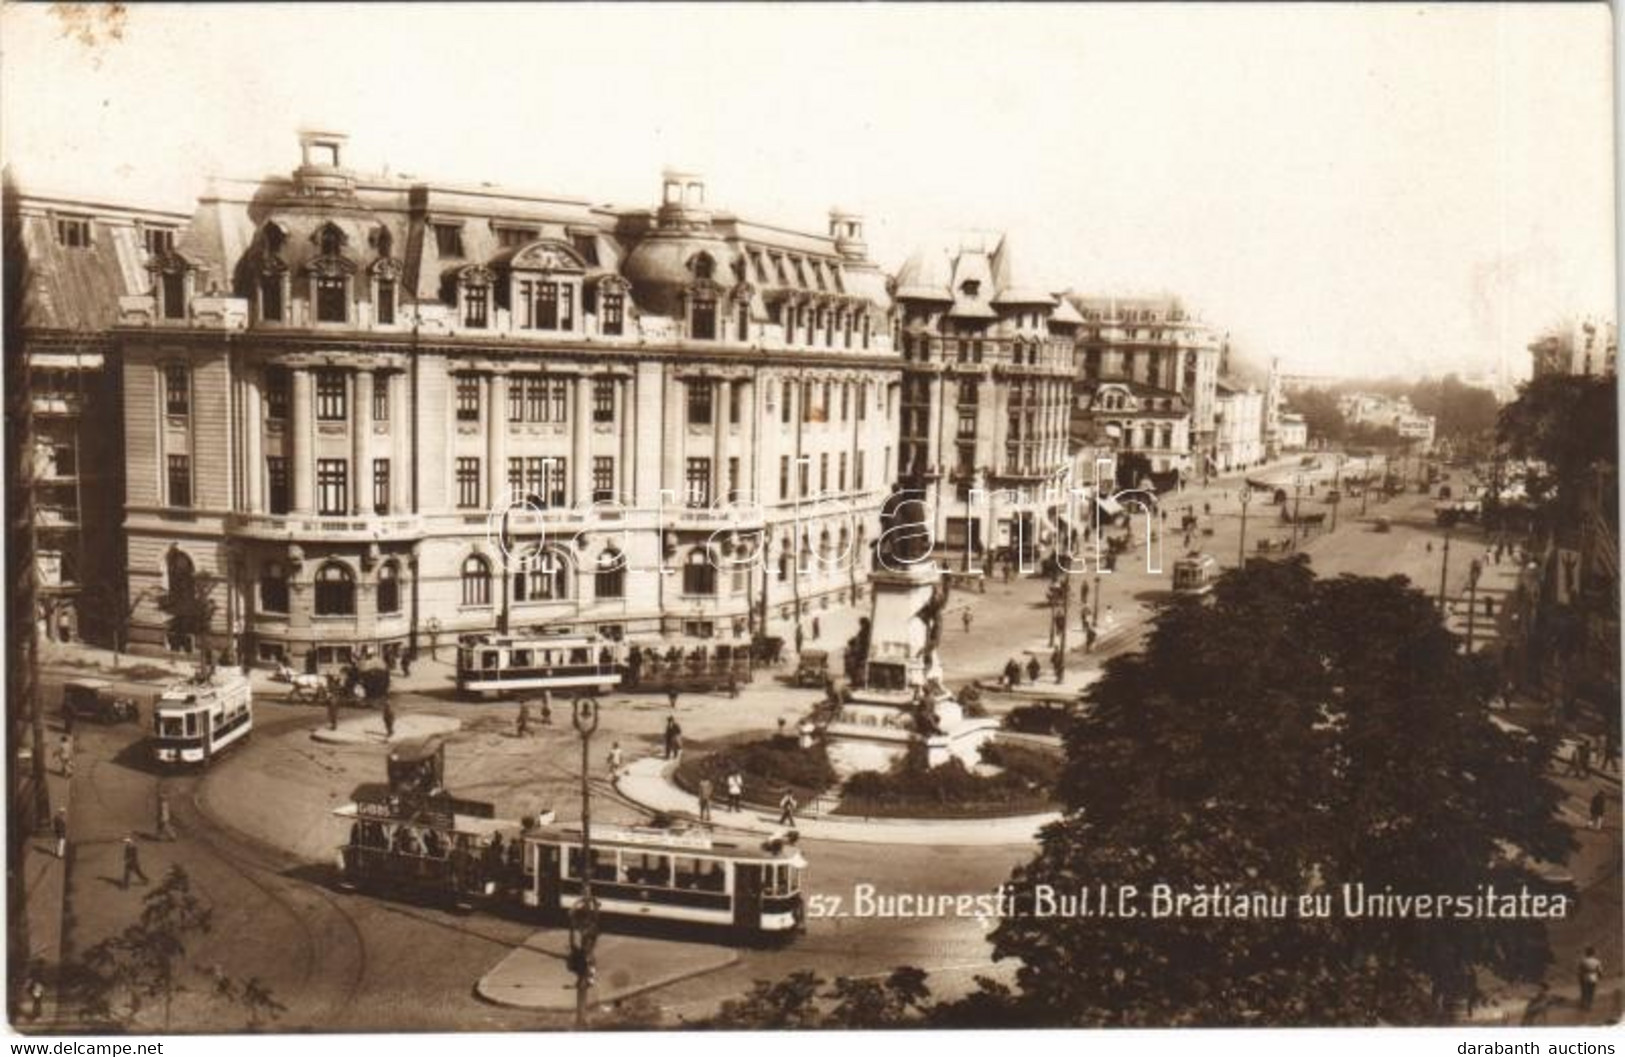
[536, 976]
[369, 729]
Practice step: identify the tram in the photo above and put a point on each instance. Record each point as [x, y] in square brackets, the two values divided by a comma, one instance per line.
[1194, 574]
[195, 720]
[498, 663]
[752, 890]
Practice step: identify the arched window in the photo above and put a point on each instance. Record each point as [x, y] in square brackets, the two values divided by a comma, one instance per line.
[274, 588]
[784, 559]
[824, 544]
[389, 588]
[180, 573]
[335, 591]
[476, 581]
[330, 240]
[545, 578]
[699, 573]
[609, 581]
[702, 319]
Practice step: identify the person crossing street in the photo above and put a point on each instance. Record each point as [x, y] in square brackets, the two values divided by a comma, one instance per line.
[132, 863]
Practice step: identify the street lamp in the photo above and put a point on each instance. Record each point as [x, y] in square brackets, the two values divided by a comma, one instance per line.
[1474, 571]
[1246, 500]
[1297, 502]
[1444, 568]
[584, 916]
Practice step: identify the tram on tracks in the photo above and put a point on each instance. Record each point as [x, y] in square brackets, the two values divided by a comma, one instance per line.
[195, 720]
[503, 663]
[409, 836]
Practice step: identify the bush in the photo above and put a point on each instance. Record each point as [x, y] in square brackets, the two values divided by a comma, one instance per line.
[1038, 719]
[911, 788]
[769, 766]
[970, 699]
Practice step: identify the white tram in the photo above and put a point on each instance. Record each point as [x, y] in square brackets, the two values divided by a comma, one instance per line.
[498, 663]
[195, 720]
[752, 890]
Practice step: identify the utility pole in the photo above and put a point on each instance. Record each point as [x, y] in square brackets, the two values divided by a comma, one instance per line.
[1297, 501]
[1066, 612]
[584, 917]
[1246, 500]
[1444, 569]
[1473, 572]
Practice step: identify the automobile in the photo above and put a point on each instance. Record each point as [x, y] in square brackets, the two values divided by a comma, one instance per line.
[1385, 525]
[94, 700]
[812, 669]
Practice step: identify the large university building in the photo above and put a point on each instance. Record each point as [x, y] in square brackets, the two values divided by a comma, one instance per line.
[368, 414]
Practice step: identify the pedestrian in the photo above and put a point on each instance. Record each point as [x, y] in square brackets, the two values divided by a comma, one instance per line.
[523, 722]
[1089, 637]
[671, 696]
[787, 809]
[1589, 970]
[36, 996]
[1489, 606]
[799, 637]
[614, 761]
[1430, 546]
[332, 712]
[389, 720]
[64, 755]
[1033, 668]
[1006, 564]
[1538, 1006]
[965, 618]
[673, 732]
[166, 828]
[132, 862]
[1599, 808]
[1610, 753]
[817, 628]
[1012, 674]
[59, 830]
[406, 661]
[1057, 661]
[735, 784]
[1582, 757]
[705, 800]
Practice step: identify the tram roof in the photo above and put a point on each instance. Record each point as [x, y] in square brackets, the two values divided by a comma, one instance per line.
[670, 841]
[479, 827]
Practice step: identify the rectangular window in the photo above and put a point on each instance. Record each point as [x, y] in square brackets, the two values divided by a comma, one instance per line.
[159, 241]
[586, 247]
[603, 478]
[561, 400]
[331, 397]
[558, 476]
[547, 306]
[468, 398]
[743, 326]
[380, 486]
[177, 390]
[527, 399]
[380, 397]
[612, 319]
[697, 483]
[384, 306]
[332, 300]
[603, 400]
[733, 478]
[276, 480]
[967, 423]
[332, 486]
[803, 473]
[516, 478]
[846, 400]
[786, 399]
[784, 477]
[476, 305]
[271, 298]
[703, 320]
[468, 482]
[735, 392]
[857, 472]
[527, 304]
[840, 475]
[517, 387]
[509, 238]
[174, 295]
[180, 480]
[699, 403]
[806, 401]
[74, 233]
[448, 240]
[823, 472]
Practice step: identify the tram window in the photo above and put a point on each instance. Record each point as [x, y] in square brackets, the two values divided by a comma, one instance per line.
[580, 656]
[603, 865]
[519, 659]
[646, 869]
[699, 875]
[169, 726]
[488, 660]
[191, 724]
[777, 879]
[572, 863]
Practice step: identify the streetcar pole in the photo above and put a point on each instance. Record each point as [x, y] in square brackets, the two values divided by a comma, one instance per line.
[584, 919]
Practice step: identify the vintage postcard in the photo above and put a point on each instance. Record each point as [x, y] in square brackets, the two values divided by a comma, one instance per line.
[538, 518]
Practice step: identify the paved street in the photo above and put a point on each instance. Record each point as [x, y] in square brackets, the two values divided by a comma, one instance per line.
[256, 836]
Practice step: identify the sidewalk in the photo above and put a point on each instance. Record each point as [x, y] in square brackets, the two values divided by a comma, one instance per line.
[46, 879]
[647, 784]
[534, 975]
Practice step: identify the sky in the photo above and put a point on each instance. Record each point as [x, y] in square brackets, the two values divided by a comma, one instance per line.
[1356, 190]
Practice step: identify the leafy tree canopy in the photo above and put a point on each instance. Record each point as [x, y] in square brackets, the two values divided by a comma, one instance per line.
[1288, 735]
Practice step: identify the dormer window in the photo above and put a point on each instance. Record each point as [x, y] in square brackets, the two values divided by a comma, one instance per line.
[971, 287]
[702, 317]
[448, 240]
[587, 246]
[476, 305]
[172, 292]
[160, 242]
[703, 266]
[73, 232]
[330, 240]
[511, 237]
[332, 299]
[612, 313]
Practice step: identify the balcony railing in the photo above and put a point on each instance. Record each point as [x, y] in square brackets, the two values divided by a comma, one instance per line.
[277, 526]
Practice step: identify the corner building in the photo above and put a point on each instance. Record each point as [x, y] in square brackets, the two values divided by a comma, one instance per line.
[337, 384]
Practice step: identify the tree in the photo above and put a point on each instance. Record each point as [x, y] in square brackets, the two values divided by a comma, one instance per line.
[1320, 414]
[190, 603]
[147, 962]
[115, 599]
[788, 1003]
[1460, 411]
[1372, 760]
[901, 999]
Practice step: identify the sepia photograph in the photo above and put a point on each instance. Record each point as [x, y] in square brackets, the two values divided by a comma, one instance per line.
[743, 517]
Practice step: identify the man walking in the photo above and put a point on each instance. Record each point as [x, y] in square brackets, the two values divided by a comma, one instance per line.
[132, 863]
[406, 662]
[1589, 970]
[965, 618]
[736, 790]
[166, 827]
[547, 708]
[59, 830]
[787, 809]
[1599, 808]
[673, 733]
[614, 761]
[1058, 662]
[64, 755]
[671, 696]
[389, 721]
[1033, 668]
[522, 727]
[705, 800]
